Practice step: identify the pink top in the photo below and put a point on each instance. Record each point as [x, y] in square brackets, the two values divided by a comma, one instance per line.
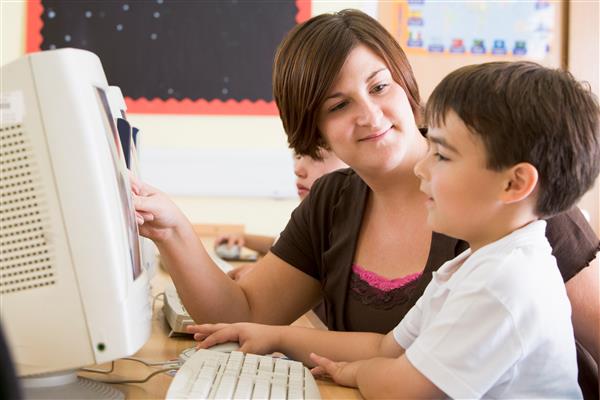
[380, 282]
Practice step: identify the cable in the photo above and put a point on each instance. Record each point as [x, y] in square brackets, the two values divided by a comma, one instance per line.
[155, 315]
[169, 364]
[172, 363]
[156, 297]
[136, 380]
[100, 371]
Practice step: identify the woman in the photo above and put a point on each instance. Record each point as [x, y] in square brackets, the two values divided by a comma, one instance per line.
[360, 241]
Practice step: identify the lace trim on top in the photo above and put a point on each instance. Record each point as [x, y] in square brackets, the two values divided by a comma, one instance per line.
[381, 293]
[382, 283]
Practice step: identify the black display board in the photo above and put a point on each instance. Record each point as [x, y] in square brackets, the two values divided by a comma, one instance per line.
[211, 50]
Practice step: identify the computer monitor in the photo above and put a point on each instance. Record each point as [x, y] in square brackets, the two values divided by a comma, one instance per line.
[72, 290]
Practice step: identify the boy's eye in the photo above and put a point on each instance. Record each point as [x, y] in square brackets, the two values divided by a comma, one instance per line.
[440, 157]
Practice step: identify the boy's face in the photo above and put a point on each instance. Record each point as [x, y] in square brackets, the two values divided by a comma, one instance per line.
[308, 170]
[464, 195]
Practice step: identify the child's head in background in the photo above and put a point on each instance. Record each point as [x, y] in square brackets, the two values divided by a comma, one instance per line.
[508, 141]
[308, 169]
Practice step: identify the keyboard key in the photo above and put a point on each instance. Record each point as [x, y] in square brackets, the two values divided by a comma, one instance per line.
[278, 391]
[261, 390]
[226, 387]
[201, 388]
[244, 388]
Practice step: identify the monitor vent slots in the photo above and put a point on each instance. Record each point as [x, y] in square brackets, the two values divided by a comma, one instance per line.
[25, 254]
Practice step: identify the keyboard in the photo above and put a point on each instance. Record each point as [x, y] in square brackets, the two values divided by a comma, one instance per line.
[175, 313]
[210, 374]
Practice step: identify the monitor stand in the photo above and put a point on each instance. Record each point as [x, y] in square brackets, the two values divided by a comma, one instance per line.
[67, 385]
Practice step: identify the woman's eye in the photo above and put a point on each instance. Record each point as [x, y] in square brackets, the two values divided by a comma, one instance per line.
[379, 88]
[338, 106]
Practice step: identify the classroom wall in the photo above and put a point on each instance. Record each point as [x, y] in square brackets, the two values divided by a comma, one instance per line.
[266, 215]
[583, 55]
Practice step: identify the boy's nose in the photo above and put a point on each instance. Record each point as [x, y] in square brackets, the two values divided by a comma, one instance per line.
[420, 169]
[299, 169]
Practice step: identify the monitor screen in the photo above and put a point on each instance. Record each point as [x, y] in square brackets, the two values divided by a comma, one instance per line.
[124, 189]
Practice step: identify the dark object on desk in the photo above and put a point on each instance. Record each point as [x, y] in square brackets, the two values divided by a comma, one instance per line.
[176, 50]
[125, 138]
[9, 384]
[242, 258]
[233, 253]
[226, 251]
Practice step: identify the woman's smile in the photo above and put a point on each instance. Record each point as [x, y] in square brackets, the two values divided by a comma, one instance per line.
[376, 136]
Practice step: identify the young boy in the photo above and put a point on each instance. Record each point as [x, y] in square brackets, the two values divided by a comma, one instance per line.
[510, 144]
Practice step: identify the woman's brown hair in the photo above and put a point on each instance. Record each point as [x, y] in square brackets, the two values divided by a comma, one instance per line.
[308, 61]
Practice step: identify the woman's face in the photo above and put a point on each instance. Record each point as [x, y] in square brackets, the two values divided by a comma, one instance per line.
[366, 117]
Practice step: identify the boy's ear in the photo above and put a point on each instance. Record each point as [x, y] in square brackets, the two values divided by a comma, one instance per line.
[521, 181]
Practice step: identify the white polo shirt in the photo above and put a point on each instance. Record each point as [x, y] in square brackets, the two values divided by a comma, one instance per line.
[499, 326]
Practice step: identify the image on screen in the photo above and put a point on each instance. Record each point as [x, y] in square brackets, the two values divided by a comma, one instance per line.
[127, 206]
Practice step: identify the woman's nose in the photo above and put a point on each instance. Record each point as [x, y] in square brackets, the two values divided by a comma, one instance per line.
[420, 168]
[370, 114]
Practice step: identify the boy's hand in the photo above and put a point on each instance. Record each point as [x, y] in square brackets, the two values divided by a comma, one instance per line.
[253, 338]
[342, 373]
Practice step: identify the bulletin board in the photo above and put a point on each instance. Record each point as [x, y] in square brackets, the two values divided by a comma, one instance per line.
[441, 36]
[175, 57]
[500, 28]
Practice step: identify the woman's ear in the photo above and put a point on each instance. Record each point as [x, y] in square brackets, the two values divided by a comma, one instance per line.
[521, 181]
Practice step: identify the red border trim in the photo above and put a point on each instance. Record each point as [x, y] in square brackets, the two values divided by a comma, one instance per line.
[169, 106]
[34, 26]
[304, 10]
[200, 106]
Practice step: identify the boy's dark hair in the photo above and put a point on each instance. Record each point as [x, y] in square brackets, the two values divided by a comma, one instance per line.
[309, 60]
[524, 112]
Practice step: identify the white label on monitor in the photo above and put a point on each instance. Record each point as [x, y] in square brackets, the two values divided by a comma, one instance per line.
[12, 107]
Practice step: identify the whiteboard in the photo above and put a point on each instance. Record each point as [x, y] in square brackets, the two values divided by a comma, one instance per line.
[220, 172]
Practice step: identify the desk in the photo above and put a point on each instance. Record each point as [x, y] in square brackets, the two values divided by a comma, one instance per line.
[162, 348]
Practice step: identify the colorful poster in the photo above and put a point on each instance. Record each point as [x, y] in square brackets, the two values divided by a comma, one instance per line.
[516, 28]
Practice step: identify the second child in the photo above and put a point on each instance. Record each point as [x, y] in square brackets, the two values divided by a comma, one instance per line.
[307, 170]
